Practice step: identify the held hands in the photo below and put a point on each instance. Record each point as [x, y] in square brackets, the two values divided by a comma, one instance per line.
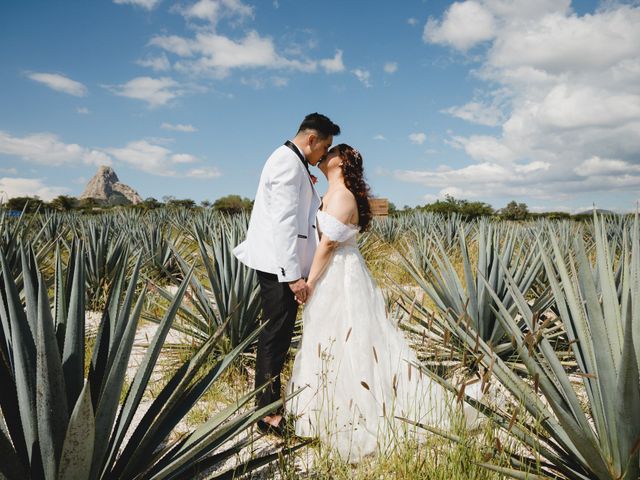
[301, 290]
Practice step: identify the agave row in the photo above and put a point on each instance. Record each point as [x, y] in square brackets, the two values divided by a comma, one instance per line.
[60, 423]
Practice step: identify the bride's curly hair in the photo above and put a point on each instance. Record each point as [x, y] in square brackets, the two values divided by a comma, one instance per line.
[354, 180]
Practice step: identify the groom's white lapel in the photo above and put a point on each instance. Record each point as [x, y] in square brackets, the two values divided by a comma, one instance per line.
[282, 235]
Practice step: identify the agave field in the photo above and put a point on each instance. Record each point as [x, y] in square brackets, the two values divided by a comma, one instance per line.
[544, 315]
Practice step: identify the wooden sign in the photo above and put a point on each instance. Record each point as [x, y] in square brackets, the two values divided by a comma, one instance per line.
[379, 207]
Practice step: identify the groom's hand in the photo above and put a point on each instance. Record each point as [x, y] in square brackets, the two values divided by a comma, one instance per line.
[299, 289]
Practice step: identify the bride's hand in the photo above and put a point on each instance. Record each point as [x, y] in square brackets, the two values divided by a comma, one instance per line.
[310, 289]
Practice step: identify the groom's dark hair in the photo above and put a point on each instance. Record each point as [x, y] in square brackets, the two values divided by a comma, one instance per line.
[321, 124]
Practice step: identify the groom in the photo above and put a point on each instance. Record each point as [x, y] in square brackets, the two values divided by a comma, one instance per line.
[280, 244]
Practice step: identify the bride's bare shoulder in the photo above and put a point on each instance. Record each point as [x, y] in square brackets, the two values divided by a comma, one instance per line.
[341, 204]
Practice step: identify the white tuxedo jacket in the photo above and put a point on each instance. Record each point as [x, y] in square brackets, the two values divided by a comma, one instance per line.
[282, 235]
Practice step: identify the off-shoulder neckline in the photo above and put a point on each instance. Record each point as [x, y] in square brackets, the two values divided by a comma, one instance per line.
[349, 225]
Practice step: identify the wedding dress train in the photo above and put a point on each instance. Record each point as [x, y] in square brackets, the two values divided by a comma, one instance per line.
[354, 366]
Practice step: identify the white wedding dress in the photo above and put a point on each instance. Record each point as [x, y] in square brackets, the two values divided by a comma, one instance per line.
[354, 368]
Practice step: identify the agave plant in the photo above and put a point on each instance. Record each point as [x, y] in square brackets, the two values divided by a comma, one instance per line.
[14, 231]
[60, 425]
[158, 250]
[387, 229]
[469, 297]
[104, 250]
[229, 295]
[566, 438]
[54, 226]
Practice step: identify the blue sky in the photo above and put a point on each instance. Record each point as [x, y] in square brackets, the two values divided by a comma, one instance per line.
[488, 100]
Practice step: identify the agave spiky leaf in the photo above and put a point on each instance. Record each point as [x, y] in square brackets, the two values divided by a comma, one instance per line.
[77, 449]
[174, 401]
[601, 440]
[51, 399]
[457, 296]
[21, 355]
[230, 294]
[74, 341]
[157, 245]
[104, 246]
[49, 436]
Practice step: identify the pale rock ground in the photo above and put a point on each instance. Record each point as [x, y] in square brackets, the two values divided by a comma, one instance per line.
[304, 459]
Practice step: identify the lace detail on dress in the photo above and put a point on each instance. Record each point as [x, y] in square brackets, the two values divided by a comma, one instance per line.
[335, 229]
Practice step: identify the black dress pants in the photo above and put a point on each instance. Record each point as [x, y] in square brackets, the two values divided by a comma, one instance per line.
[280, 309]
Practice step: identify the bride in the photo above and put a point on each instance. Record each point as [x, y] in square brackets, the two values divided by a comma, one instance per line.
[354, 369]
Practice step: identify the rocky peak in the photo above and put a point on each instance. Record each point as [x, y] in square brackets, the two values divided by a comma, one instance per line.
[108, 173]
[105, 185]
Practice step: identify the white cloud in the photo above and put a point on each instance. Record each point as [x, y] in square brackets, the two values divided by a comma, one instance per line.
[333, 65]
[154, 91]
[212, 54]
[477, 112]
[218, 55]
[575, 106]
[147, 155]
[564, 90]
[532, 167]
[485, 148]
[28, 187]
[209, 53]
[146, 4]
[259, 83]
[183, 158]
[82, 111]
[464, 25]
[390, 67]
[604, 166]
[417, 138]
[481, 180]
[204, 173]
[473, 175]
[212, 10]
[379, 137]
[513, 10]
[60, 83]
[158, 64]
[178, 127]
[412, 21]
[363, 75]
[558, 43]
[47, 149]
[151, 158]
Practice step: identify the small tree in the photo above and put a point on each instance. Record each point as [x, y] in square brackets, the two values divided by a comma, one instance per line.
[466, 208]
[150, 203]
[555, 215]
[476, 209]
[63, 203]
[232, 204]
[89, 203]
[515, 211]
[32, 204]
[446, 207]
[182, 203]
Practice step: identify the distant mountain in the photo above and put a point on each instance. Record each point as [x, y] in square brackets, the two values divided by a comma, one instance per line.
[106, 187]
